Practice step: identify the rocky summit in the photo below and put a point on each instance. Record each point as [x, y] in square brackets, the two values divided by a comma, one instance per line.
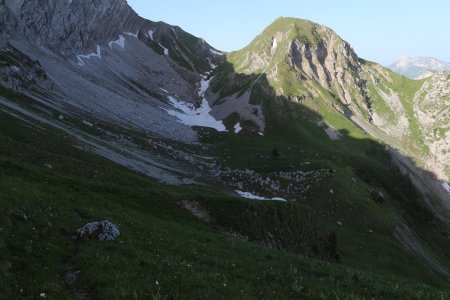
[289, 169]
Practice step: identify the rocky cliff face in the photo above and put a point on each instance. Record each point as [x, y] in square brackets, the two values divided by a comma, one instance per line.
[331, 62]
[75, 27]
[70, 27]
[432, 110]
[301, 61]
[19, 72]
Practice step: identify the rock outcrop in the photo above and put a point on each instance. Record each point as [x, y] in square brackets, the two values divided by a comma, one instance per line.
[330, 61]
[104, 231]
[70, 27]
[431, 107]
[18, 71]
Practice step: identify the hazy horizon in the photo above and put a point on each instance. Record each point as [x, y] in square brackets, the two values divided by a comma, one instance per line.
[379, 31]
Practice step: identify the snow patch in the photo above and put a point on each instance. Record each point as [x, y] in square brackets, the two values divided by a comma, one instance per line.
[237, 127]
[150, 34]
[120, 42]
[260, 133]
[191, 116]
[166, 51]
[216, 52]
[279, 199]
[98, 54]
[165, 91]
[446, 186]
[274, 45]
[248, 195]
[204, 85]
[176, 35]
[88, 123]
[132, 34]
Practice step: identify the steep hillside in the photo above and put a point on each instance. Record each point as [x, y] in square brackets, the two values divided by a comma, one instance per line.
[308, 63]
[77, 28]
[300, 82]
[107, 77]
[50, 188]
[413, 115]
[299, 60]
[266, 161]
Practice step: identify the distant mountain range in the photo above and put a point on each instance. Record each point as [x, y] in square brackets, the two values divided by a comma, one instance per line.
[419, 67]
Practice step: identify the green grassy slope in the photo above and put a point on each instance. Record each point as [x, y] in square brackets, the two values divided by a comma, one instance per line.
[360, 169]
[406, 89]
[163, 252]
[381, 100]
[297, 110]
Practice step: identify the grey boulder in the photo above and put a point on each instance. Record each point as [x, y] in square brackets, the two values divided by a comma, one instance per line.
[104, 231]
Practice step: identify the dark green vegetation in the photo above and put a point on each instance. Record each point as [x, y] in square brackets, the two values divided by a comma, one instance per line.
[164, 252]
[285, 226]
[366, 200]
[361, 171]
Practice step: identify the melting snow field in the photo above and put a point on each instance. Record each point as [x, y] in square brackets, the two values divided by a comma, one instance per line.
[98, 54]
[216, 52]
[191, 116]
[166, 51]
[204, 85]
[248, 195]
[446, 186]
[120, 42]
[188, 115]
[150, 34]
[132, 34]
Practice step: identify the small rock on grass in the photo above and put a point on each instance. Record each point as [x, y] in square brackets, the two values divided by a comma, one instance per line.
[104, 231]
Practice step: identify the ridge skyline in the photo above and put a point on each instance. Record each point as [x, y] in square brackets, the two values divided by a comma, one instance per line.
[360, 26]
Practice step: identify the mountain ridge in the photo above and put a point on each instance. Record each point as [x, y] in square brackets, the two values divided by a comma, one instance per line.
[358, 89]
[419, 67]
[310, 129]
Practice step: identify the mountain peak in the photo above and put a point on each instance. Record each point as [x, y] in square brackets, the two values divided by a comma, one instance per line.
[419, 67]
[314, 51]
[294, 28]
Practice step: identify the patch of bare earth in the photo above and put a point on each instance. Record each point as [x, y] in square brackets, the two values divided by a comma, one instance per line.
[203, 215]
